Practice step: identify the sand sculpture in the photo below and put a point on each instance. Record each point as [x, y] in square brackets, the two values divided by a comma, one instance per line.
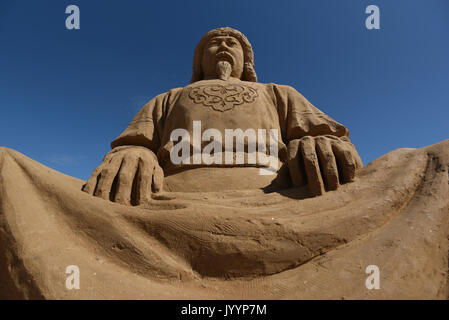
[228, 188]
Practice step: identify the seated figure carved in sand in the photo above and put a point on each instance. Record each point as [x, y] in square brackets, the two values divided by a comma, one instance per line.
[224, 97]
[195, 170]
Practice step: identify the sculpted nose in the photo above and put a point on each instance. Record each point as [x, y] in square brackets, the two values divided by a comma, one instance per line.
[223, 46]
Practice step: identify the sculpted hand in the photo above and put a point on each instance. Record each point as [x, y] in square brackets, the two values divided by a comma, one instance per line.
[322, 162]
[127, 175]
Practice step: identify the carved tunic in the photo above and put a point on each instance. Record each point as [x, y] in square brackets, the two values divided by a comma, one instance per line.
[224, 105]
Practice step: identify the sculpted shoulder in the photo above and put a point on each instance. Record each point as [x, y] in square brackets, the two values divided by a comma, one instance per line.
[167, 96]
[172, 92]
[272, 89]
[284, 89]
[256, 85]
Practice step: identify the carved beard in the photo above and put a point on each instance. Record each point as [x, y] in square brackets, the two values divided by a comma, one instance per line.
[223, 70]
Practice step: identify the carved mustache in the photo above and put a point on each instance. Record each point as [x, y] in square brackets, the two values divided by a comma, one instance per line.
[225, 55]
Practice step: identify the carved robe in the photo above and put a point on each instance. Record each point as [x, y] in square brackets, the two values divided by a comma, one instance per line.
[226, 105]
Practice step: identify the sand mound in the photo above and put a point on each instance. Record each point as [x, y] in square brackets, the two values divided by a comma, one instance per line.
[229, 245]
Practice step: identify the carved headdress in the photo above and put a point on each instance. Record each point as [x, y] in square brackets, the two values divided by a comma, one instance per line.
[249, 74]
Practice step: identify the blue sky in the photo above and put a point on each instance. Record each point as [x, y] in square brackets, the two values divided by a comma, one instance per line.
[66, 94]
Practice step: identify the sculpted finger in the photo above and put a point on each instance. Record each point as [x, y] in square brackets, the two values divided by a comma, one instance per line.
[328, 163]
[311, 166]
[357, 159]
[295, 164]
[128, 171]
[125, 180]
[355, 154]
[145, 180]
[90, 185]
[345, 161]
[106, 178]
[158, 179]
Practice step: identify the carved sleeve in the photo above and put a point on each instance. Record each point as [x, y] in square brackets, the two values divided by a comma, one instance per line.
[144, 130]
[299, 118]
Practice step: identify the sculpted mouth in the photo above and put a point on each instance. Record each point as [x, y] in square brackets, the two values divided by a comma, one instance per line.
[224, 55]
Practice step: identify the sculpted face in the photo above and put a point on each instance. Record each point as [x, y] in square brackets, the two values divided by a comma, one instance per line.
[225, 49]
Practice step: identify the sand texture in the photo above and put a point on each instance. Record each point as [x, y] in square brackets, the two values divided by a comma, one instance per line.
[242, 244]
